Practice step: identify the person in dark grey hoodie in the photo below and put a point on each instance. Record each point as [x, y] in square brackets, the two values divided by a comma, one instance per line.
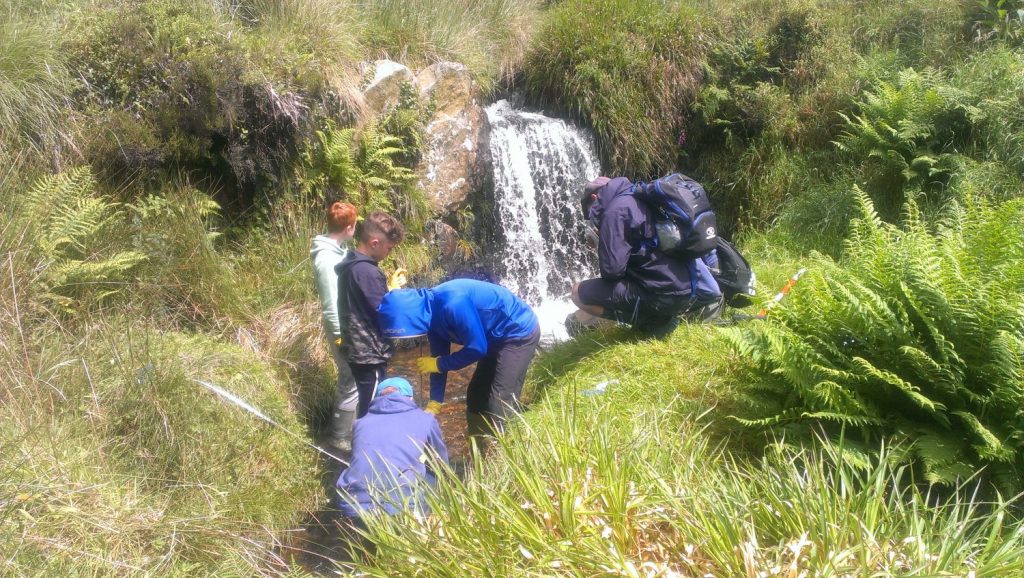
[639, 285]
[329, 250]
[361, 286]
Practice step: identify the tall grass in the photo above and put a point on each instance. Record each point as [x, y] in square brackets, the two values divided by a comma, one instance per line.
[317, 41]
[33, 80]
[632, 482]
[627, 69]
[115, 461]
[490, 37]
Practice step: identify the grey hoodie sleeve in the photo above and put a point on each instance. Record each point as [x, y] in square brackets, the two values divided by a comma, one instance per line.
[327, 290]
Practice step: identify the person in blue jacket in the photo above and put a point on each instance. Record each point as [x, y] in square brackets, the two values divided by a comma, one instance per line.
[389, 453]
[639, 285]
[496, 329]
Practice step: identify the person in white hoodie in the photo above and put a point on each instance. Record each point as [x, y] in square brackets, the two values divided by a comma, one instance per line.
[329, 250]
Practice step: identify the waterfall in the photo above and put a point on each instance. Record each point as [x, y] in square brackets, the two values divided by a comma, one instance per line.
[540, 167]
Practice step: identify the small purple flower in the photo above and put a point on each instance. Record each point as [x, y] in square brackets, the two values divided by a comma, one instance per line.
[681, 139]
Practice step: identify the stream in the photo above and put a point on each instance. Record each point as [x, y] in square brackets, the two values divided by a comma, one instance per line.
[318, 542]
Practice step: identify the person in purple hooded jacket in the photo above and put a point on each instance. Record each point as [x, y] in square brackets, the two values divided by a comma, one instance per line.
[389, 453]
[639, 285]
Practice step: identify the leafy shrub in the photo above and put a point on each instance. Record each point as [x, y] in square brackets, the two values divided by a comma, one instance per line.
[184, 96]
[775, 76]
[998, 20]
[625, 68]
[913, 334]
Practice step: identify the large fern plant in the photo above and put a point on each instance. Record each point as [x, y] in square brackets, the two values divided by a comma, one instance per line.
[73, 237]
[907, 137]
[915, 334]
[367, 165]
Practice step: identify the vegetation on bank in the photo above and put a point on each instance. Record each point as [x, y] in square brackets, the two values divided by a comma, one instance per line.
[647, 479]
[167, 162]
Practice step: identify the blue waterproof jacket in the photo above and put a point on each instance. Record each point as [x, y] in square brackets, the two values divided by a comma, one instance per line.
[478, 315]
[624, 227]
[389, 445]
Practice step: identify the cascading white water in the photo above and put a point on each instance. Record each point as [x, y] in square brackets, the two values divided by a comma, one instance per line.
[540, 167]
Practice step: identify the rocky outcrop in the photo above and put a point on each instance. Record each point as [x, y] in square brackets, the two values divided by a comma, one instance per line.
[450, 85]
[456, 161]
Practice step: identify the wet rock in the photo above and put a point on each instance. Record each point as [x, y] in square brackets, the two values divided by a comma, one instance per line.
[444, 237]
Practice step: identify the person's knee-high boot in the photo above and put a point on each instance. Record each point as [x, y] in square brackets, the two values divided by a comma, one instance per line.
[341, 429]
[477, 428]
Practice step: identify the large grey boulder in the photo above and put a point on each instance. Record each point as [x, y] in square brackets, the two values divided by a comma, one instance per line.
[457, 157]
[450, 85]
[386, 85]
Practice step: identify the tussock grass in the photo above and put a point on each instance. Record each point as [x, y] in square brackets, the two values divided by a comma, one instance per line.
[488, 36]
[116, 462]
[33, 80]
[624, 68]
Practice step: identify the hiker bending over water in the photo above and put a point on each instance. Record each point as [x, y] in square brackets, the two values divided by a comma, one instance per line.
[329, 250]
[389, 453]
[361, 285]
[639, 285]
[496, 329]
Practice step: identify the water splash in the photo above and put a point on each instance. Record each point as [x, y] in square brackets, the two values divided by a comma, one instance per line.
[540, 166]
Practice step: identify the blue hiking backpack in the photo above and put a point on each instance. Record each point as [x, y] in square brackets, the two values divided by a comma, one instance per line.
[684, 222]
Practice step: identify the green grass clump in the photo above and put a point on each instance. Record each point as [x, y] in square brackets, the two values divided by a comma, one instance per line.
[115, 462]
[624, 68]
[488, 36]
[33, 80]
[636, 481]
[914, 334]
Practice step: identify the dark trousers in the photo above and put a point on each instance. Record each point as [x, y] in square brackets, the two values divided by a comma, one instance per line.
[498, 380]
[367, 376]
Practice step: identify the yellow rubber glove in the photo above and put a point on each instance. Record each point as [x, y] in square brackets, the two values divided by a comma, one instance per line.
[427, 365]
[433, 407]
[398, 279]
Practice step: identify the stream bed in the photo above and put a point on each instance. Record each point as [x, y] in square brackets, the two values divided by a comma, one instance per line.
[318, 542]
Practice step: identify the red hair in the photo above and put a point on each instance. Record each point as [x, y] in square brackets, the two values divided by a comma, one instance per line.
[340, 216]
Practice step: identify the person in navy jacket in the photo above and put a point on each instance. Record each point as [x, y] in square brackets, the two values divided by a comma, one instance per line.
[496, 329]
[639, 285]
[389, 453]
